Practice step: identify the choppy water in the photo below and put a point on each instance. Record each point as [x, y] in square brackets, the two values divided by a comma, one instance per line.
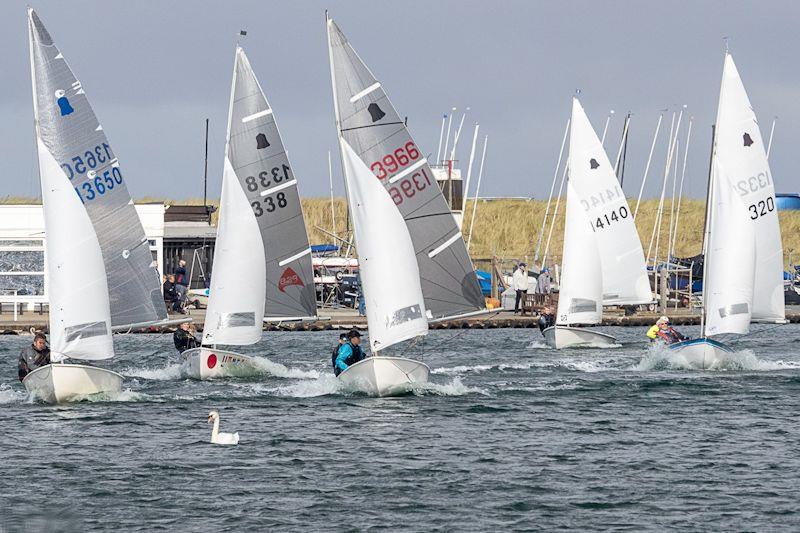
[509, 436]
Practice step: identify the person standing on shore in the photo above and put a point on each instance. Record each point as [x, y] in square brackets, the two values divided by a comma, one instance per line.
[181, 285]
[543, 284]
[520, 280]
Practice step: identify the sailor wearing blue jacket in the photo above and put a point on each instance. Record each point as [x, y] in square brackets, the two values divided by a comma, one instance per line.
[349, 353]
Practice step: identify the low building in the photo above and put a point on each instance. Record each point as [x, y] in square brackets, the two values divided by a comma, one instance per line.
[173, 232]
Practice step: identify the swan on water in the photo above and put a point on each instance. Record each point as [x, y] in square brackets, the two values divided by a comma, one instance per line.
[216, 436]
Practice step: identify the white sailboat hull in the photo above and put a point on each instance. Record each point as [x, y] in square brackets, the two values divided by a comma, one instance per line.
[567, 337]
[67, 382]
[701, 353]
[385, 376]
[208, 363]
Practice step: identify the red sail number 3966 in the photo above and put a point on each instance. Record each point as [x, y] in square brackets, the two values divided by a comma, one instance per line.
[391, 163]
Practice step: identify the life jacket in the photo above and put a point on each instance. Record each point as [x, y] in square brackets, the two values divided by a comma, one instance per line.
[356, 356]
[669, 335]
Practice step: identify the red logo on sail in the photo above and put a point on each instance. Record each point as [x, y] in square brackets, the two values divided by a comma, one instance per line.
[289, 277]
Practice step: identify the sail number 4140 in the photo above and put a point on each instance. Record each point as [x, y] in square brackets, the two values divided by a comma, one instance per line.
[615, 216]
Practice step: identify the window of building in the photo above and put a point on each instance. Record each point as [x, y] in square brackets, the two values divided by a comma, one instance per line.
[22, 267]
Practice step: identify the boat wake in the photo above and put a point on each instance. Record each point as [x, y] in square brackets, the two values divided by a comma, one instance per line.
[323, 385]
[576, 365]
[538, 343]
[454, 388]
[169, 372]
[264, 367]
[661, 358]
[279, 370]
[10, 395]
[126, 395]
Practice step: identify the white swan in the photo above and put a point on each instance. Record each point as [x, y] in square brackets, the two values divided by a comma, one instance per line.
[216, 436]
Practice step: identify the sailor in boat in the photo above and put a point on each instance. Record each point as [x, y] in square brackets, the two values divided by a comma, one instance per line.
[184, 337]
[34, 356]
[661, 330]
[546, 319]
[335, 352]
[350, 353]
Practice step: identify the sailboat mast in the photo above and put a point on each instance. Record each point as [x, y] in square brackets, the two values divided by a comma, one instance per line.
[205, 178]
[336, 113]
[707, 225]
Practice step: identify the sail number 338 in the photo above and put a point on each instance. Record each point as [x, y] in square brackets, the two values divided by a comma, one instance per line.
[264, 180]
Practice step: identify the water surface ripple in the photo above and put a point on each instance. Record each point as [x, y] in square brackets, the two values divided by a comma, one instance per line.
[508, 436]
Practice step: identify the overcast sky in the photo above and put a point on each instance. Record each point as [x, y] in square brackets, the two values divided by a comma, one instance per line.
[154, 70]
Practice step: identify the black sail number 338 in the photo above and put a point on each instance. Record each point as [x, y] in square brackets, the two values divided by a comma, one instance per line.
[269, 204]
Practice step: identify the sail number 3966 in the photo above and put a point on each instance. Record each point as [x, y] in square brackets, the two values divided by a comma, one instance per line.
[391, 163]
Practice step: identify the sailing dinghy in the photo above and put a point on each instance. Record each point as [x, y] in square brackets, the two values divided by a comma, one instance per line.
[603, 261]
[743, 267]
[262, 261]
[413, 262]
[101, 275]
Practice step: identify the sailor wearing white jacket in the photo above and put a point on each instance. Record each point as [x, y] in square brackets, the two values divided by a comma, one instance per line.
[521, 286]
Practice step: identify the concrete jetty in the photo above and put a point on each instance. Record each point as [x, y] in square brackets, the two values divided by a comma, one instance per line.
[345, 319]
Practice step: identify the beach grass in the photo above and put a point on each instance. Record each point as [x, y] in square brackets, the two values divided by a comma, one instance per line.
[510, 228]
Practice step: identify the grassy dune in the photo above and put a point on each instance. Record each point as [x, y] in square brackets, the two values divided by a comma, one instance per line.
[509, 229]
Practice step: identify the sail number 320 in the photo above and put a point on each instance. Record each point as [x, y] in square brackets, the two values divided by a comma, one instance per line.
[761, 208]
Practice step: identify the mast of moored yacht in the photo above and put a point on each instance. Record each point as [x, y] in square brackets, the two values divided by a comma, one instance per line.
[680, 190]
[550, 196]
[647, 166]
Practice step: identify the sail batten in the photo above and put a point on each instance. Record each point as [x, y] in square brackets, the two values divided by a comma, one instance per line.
[371, 126]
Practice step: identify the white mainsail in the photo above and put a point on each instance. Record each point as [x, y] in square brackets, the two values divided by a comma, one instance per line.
[743, 278]
[604, 205]
[80, 314]
[388, 267]
[602, 262]
[236, 309]
[581, 290]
